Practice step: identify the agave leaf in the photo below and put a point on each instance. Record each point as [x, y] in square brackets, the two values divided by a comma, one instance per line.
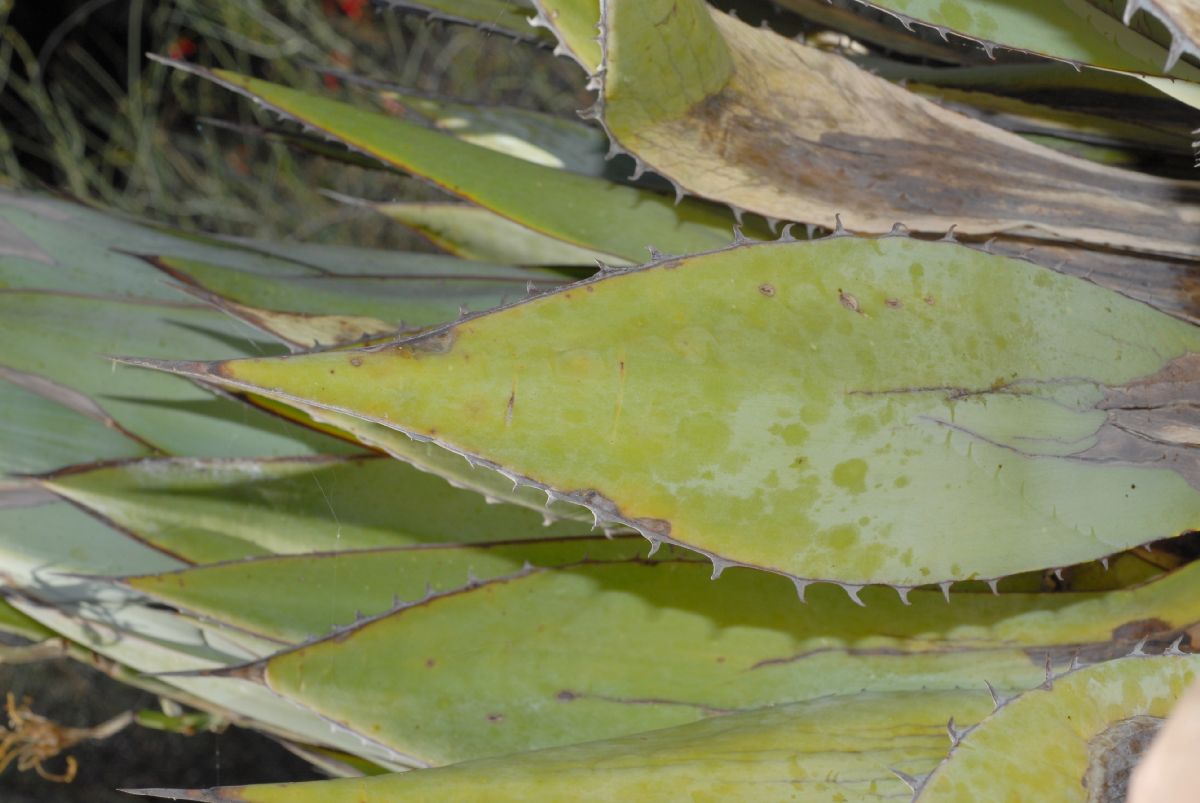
[302, 331]
[840, 748]
[46, 426]
[1132, 99]
[1168, 284]
[1069, 30]
[475, 233]
[723, 425]
[584, 211]
[113, 622]
[574, 24]
[426, 456]
[65, 339]
[257, 595]
[61, 246]
[1181, 19]
[566, 650]
[753, 123]
[508, 17]
[1090, 725]
[1021, 116]
[537, 137]
[15, 623]
[390, 300]
[207, 510]
[68, 540]
[866, 24]
[240, 701]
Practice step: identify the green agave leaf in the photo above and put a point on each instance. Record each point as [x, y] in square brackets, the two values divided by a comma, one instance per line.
[509, 17]
[46, 427]
[866, 24]
[239, 701]
[853, 410]
[536, 137]
[1070, 30]
[1033, 118]
[1181, 19]
[426, 456]
[554, 656]
[15, 623]
[574, 24]
[257, 595]
[209, 510]
[581, 210]
[68, 540]
[1074, 740]
[1165, 283]
[61, 246]
[745, 116]
[302, 331]
[472, 232]
[839, 748]
[115, 624]
[406, 299]
[174, 417]
[1118, 96]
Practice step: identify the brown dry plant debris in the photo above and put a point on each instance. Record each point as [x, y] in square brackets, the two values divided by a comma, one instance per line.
[31, 739]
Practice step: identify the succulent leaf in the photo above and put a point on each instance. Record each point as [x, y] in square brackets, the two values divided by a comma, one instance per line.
[722, 426]
[46, 426]
[838, 748]
[581, 210]
[1092, 724]
[573, 23]
[1070, 30]
[472, 232]
[567, 648]
[509, 17]
[211, 510]
[745, 116]
[536, 137]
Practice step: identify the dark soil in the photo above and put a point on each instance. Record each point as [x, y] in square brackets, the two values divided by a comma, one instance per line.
[73, 694]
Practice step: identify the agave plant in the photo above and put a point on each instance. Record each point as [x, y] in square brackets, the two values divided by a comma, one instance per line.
[886, 504]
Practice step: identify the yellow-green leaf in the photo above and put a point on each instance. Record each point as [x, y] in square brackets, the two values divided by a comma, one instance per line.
[854, 410]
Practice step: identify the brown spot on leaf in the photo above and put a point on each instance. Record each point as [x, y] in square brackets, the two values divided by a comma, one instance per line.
[356, 361]
[767, 289]
[495, 717]
[893, 303]
[656, 526]
[1153, 421]
[1133, 632]
[566, 696]
[848, 301]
